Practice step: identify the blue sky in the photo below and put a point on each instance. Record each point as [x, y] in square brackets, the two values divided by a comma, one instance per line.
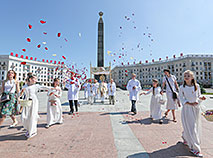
[175, 26]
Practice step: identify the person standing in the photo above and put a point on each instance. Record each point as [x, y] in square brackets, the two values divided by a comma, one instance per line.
[54, 109]
[9, 108]
[171, 90]
[134, 88]
[85, 89]
[29, 115]
[155, 106]
[111, 91]
[190, 98]
[103, 90]
[96, 90]
[73, 86]
[90, 92]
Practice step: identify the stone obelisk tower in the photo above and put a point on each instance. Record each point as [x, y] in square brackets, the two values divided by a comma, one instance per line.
[100, 62]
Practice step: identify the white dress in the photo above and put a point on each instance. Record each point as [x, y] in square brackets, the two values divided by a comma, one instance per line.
[111, 89]
[85, 90]
[54, 112]
[73, 87]
[96, 88]
[29, 114]
[171, 103]
[134, 93]
[190, 116]
[103, 90]
[155, 106]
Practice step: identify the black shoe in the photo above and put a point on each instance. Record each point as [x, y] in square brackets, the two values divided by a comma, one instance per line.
[70, 113]
[135, 112]
[161, 122]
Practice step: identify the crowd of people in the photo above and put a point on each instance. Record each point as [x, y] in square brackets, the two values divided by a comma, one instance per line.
[187, 95]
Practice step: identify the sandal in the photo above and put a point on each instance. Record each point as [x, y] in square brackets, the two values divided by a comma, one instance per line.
[196, 153]
[14, 124]
[174, 121]
[165, 115]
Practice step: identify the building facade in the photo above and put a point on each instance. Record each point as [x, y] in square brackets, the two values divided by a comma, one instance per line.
[201, 65]
[45, 71]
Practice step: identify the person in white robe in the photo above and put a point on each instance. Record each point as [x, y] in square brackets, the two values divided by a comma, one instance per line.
[103, 90]
[111, 91]
[134, 88]
[90, 91]
[172, 104]
[85, 89]
[190, 98]
[29, 114]
[96, 90]
[73, 86]
[54, 109]
[155, 105]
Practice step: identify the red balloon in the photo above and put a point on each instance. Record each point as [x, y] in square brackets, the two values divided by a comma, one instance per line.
[39, 46]
[42, 21]
[64, 57]
[59, 35]
[11, 53]
[46, 48]
[28, 40]
[30, 26]
[16, 55]
[23, 63]
[24, 50]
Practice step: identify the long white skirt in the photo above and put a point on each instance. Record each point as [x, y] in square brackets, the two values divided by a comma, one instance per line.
[155, 108]
[85, 94]
[30, 117]
[171, 103]
[54, 113]
[191, 122]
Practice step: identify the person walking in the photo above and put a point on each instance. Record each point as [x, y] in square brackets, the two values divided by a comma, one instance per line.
[111, 91]
[96, 90]
[85, 89]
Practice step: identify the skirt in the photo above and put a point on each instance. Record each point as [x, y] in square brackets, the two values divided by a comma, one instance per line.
[10, 107]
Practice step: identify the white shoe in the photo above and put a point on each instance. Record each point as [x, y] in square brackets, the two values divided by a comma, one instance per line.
[196, 153]
[14, 124]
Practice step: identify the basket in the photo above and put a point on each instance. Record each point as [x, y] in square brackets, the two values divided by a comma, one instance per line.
[25, 103]
[208, 117]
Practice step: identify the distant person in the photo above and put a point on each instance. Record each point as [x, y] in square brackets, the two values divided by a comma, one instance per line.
[171, 93]
[85, 89]
[103, 90]
[155, 105]
[90, 91]
[111, 91]
[54, 109]
[96, 90]
[10, 88]
[190, 97]
[73, 86]
[134, 88]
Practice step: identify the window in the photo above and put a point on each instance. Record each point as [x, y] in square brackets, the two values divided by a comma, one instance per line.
[200, 63]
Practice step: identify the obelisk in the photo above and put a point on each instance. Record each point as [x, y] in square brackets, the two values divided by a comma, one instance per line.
[100, 62]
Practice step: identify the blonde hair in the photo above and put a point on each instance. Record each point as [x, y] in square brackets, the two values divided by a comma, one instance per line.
[156, 81]
[8, 74]
[193, 82]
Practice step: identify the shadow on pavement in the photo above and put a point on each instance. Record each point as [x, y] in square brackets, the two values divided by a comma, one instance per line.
[14, 136]
[146, 121]
[178, 150]
[114, 113]
[42, 125]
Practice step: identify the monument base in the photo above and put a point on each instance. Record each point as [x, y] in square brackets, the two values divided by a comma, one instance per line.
[100, 78]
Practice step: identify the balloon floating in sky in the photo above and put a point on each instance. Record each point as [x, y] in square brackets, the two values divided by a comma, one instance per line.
[42, 21]
[44, 42]
[79, 34]
[59, 34]
[30, 26]
[28, 40]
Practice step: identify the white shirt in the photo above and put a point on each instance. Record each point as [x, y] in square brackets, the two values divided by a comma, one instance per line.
[133, 93]
[96, 86]
[8, 85]
[73, 87]
[85, 86]
[171, 80]
[111, 89]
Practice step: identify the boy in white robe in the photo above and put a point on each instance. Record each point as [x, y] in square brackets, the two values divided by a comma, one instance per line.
[96, 90]
[111, 91]
[85, 89]
[90, 91]
[134, 88]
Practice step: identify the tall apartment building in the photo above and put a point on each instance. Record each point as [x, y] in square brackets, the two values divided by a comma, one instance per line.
[45, 71]
[201, 65]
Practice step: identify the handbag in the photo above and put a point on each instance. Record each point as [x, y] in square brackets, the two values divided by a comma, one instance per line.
[174, 94]
[25, 103]
[6, 97]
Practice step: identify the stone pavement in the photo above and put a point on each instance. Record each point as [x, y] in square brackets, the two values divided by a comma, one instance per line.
[103, 131]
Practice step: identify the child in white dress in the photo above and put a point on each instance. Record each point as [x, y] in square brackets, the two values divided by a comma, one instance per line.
[190, 97]
[155, 106]
[54, 109]
[29, 114]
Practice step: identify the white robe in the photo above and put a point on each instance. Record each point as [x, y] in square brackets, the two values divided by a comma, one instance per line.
[54, 113]
[134, 93]
[155, 106]
[90, 89]
[29, 114]
[103, 89]
[85, 90]
[73, 87]
[171, 103]
[111, 89]
[96, 89]
[190, 116]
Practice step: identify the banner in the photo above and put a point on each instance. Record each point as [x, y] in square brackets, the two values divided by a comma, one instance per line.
[100, 70]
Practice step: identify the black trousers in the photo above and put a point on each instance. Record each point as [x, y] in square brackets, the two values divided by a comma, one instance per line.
[71, 105]
[133, 109]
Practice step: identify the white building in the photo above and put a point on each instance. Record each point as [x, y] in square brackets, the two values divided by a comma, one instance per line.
[201, 65]
[45, 71]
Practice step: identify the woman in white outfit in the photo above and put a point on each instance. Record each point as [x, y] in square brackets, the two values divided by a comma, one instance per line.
[54, 109]
[190, 97]
[29, 114]
[155, 106]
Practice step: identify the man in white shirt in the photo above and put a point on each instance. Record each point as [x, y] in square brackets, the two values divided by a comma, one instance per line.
[96, 90]
[111, 91]
[171, 86]
[73, 86]
[134, 88]
[85, 89]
